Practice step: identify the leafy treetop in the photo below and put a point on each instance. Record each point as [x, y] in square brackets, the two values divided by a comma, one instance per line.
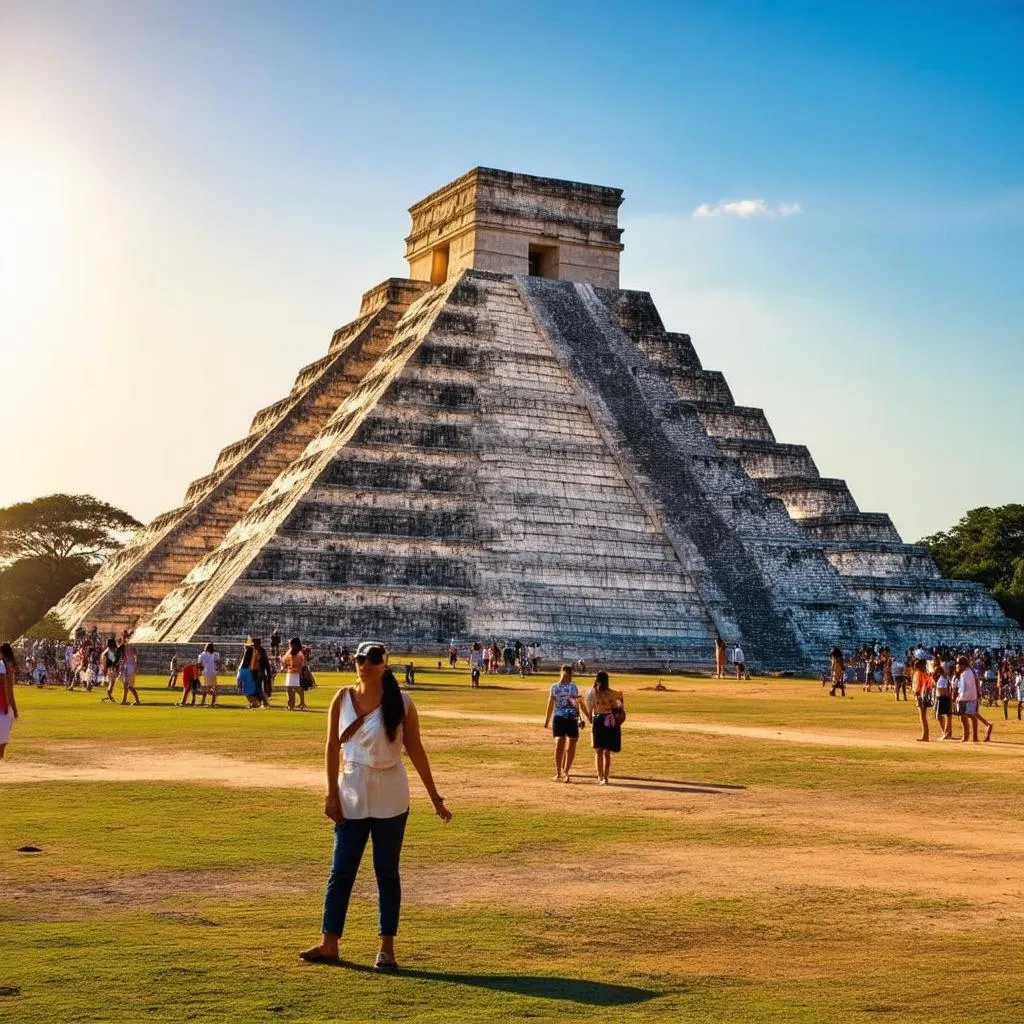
[986, 546]
[62, 526]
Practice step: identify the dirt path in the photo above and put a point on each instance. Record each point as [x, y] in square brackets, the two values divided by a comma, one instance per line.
[778, 734]
[857, 847]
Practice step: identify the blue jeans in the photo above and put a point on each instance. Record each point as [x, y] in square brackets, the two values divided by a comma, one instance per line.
[350, 838]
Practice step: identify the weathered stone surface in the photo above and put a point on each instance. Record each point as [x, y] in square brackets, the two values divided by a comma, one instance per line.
[511, 454]
[496, 220]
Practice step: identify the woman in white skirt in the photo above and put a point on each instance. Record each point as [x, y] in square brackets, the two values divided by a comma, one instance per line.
[368, 726]
[293, 663]
[8, 704]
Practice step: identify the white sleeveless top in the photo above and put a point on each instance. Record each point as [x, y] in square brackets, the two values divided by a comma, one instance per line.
[372, 782]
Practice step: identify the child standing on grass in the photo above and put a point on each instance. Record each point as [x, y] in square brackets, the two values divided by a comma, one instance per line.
[8, 703]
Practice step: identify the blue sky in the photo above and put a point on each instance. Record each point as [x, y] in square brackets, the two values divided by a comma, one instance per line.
[195, 195]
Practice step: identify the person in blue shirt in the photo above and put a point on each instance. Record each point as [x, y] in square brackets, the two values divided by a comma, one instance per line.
[563, 715]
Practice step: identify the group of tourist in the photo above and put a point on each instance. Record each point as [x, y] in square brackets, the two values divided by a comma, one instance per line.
[724, 655]
[604, 710]
[494, 658]
[85, 662]
[254, 677]
[948, 682]
[367, 788]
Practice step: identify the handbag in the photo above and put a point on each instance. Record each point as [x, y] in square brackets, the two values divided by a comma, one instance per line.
[306, 680]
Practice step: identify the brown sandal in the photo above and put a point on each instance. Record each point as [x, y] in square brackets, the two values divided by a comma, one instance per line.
[316, 955]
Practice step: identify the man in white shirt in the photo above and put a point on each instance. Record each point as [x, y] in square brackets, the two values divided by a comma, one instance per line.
[740, 661]
[208, 666]
[967, 695]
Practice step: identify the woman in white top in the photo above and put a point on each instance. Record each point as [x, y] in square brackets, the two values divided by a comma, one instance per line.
[127, 667]
[369, 724]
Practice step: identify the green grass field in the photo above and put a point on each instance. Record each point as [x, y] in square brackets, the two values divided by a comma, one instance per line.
[764, 854]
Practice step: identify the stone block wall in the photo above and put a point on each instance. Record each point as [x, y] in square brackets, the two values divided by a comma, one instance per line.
[130, 585]
[897, 584]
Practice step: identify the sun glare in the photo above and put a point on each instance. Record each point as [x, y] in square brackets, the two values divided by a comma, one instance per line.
[35, 215]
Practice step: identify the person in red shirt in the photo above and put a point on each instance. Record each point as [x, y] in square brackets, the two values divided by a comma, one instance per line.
[189, 683]
[923, 685]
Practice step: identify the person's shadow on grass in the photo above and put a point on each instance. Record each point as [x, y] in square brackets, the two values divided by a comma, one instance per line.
[540, 986]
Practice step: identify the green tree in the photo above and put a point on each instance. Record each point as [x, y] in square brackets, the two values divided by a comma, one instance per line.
[63, 526]
[50, 545]
[986, 546]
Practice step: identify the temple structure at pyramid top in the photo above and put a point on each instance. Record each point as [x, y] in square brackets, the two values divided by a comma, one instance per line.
[519, 224]
[506, 445]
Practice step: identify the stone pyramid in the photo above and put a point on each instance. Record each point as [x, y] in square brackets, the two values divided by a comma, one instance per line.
[508, 445]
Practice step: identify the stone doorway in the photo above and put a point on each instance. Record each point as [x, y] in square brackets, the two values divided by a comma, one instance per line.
[543, 261]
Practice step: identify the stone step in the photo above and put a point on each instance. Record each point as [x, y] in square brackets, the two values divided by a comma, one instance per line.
[421, 391]
[358, 475]
[737, 422]
[913, 598]
[811, 498]
[851, 526]
[882, 558]
[670, 351]
[767, 459]
[705, 386]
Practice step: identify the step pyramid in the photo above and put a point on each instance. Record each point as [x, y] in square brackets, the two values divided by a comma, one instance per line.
[506, 444]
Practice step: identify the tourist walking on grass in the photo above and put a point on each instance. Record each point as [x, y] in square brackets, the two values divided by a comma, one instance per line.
[899, 679]
[190, 676]
[720, 658]
[922, 684]
[838, 669]
[8, 702]
[245, 678]
[563, 715]
[607, 713]
[739, 660]
[294, 662]
[128, 665]
[368, 797]
[111, 656]
[208, 667]
[943, 700]
[968, 693]
[262, 670]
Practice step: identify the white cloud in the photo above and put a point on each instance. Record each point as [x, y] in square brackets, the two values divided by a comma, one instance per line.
[744, 208]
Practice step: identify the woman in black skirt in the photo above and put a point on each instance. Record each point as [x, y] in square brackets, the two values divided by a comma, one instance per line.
[607, 713]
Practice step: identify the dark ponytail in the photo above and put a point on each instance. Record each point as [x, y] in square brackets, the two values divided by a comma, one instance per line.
[392, 706]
